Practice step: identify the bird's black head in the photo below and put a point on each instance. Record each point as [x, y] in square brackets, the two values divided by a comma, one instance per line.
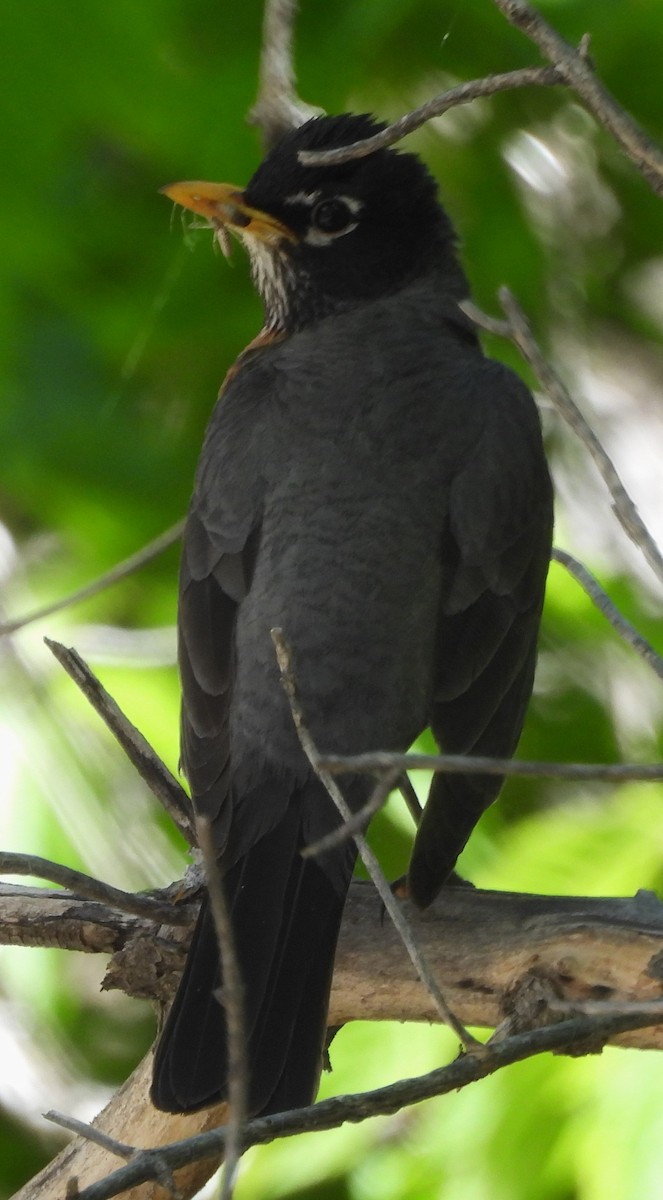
[323, 238]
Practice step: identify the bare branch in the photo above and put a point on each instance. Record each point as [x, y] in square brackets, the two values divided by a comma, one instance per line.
[463, 93]
[37, 916]
[518, 330]
[151, 769]
[475, 764]
[575, 69]
[92, 889]
[159, 1168]
[570, 66]
[484, 944]
[359, 820]
[414, 805]
[278, 108]
[72, 1125]
[232, 999]
[482, 941]
[120, 571]
[561, 1037]
[367, 856]
[600, 598]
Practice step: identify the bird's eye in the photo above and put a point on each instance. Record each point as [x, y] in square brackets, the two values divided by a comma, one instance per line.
[331, 216]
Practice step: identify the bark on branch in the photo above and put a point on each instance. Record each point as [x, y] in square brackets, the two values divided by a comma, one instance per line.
[499, 957]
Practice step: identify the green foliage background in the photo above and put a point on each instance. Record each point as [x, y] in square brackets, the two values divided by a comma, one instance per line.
[118, 328]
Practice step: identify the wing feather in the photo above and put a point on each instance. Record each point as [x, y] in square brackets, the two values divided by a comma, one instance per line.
[495, 556]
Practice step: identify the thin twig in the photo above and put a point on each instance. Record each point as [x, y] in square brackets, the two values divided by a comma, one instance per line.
[160, 1170]
[278, 108]
[474, 764]
[359, 820]
[90, 1133]
[518, 330]
[463, 93]
[576, 70]
[232, 999]
[570, 66]
[151, 769]
[624, 508]
[158, 1166]
[92, 889]
[600, 598]
[471, 1044]
[128, 566]
[561, 1037]
[415, 807]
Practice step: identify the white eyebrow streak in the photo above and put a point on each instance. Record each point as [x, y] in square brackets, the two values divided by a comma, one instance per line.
[352, 203]
[307, 198]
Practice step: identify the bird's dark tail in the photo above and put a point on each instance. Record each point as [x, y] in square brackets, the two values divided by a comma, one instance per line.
[286, 915]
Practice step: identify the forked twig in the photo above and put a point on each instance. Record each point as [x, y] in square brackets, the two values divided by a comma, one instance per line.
[570, 66]
[561, 1037]
[278, 108]
[359, 820]
[158, 1167]
[576, 69]
[90, 1133]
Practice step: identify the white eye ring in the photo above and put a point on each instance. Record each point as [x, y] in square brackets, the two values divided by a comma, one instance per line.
[332, 215]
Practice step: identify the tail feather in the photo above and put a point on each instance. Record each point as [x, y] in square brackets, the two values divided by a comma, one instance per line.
[286, 915]
[288, 1041]
[296, 1078]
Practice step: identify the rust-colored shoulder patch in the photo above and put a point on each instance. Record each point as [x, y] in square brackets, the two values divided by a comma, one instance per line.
[266, 337]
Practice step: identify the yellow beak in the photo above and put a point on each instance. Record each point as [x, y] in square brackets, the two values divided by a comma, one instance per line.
[224, 206]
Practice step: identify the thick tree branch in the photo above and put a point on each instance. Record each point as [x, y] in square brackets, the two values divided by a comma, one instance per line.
[478, 943]
[580, 1034]
[128, 1116]
[490, 951]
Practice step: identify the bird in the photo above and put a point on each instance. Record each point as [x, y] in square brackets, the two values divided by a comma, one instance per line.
[376, 487]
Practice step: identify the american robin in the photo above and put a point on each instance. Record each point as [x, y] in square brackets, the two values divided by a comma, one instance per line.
[376, 487]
